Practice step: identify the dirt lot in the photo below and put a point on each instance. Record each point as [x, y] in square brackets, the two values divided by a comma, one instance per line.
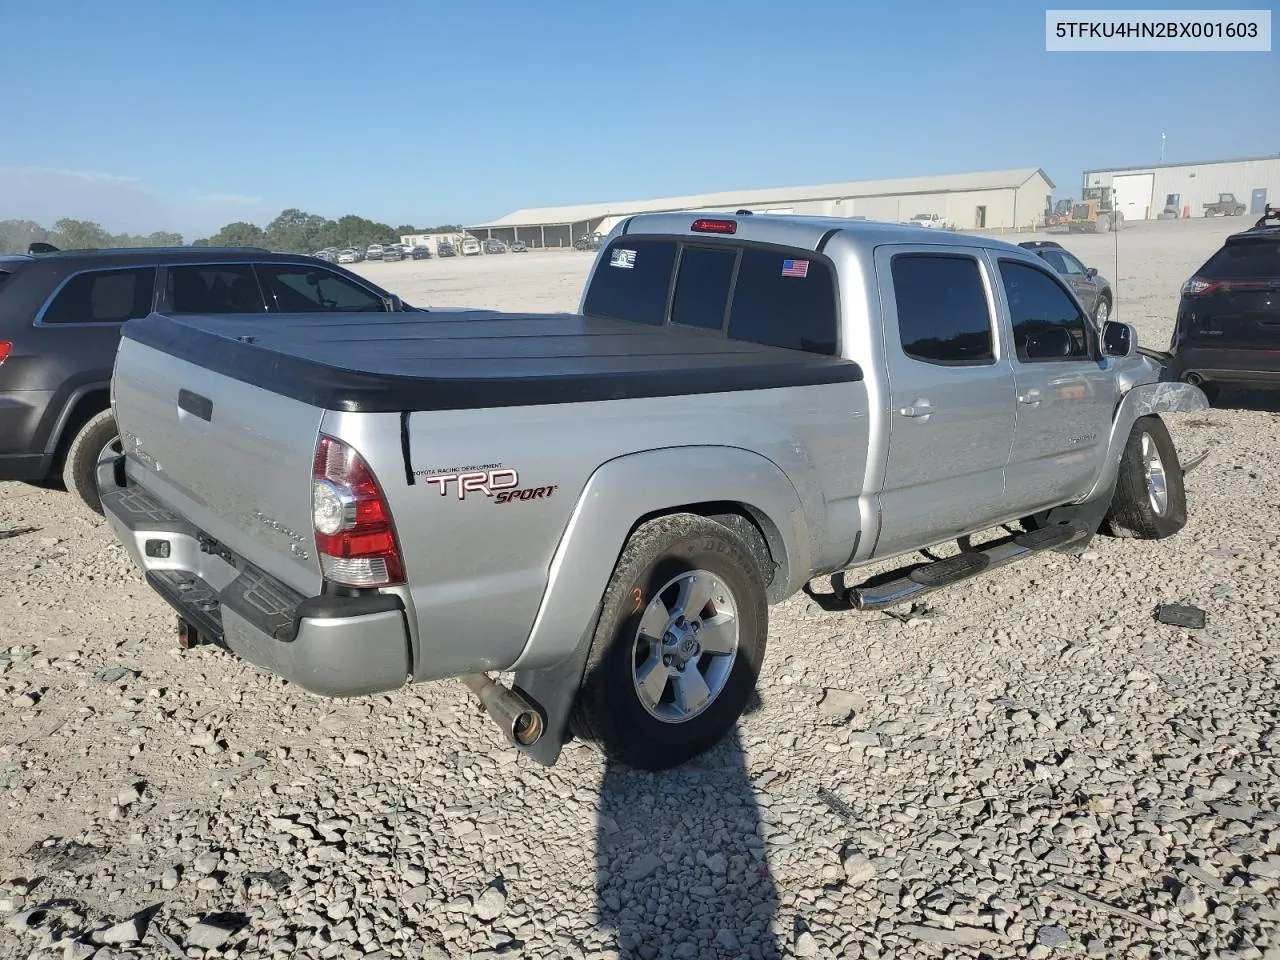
[1033, 768]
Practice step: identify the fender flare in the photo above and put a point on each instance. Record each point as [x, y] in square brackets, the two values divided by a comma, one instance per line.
[1142, 400]
[65, 406]
[627, 489]
[617, 495]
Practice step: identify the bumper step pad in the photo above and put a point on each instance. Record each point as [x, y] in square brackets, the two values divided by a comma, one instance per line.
[193, 599]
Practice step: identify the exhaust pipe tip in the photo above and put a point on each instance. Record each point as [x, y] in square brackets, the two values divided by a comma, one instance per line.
[1194, 379]
[520, 720]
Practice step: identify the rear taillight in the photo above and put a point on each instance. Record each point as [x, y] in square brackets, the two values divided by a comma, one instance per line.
[1198, 286]
[355, 537]
[5, 347]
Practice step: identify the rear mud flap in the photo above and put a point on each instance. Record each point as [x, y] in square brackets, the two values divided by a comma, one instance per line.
[555, 689]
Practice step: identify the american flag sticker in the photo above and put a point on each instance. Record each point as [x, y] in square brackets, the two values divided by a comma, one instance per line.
[626, 259]
[795, 268]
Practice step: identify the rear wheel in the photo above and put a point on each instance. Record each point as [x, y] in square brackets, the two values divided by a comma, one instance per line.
[1149, 502]
[92, 442]
[678, 647]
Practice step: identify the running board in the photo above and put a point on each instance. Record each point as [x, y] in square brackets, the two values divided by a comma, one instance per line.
[941, 573]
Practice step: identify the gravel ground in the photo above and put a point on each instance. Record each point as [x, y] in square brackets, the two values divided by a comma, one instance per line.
[1032, 767]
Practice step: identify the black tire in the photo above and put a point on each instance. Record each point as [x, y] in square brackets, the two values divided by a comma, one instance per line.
[79, 468]
[608, 712]
[1132, 512]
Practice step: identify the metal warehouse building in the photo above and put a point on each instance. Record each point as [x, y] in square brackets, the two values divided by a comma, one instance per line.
[1142, 193]
[1002, 198]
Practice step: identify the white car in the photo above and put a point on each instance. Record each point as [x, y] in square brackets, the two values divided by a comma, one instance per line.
[927, 220]
[348, 256]
[374, 252]
[470, 247]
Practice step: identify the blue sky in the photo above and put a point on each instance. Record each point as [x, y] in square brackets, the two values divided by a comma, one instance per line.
[161, 115]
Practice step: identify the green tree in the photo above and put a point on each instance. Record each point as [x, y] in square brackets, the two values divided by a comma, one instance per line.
[238, 234]
[17, 235]
[80, 235]
[296, 231]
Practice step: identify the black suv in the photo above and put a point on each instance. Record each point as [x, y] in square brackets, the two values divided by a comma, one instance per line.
[60, 317]
[1228, 327]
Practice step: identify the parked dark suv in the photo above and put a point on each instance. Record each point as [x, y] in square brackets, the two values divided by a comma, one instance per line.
[1228, 327]
[1091, 287]
[60, 317]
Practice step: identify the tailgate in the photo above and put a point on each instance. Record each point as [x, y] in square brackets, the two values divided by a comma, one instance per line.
[233, 459]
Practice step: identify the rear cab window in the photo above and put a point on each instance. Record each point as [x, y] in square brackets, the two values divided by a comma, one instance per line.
[773, 296]
[102, 296]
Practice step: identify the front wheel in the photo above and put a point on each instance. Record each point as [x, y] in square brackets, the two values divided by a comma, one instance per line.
[678, 647]
[1102, 313]
[1150, 502]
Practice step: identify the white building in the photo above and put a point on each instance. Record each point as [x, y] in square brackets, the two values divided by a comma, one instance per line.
[1142, 193]
[1001, 198]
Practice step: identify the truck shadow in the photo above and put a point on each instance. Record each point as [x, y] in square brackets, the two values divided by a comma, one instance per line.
[681, 870]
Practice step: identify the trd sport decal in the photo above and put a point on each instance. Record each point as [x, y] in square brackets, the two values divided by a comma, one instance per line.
[500, 484]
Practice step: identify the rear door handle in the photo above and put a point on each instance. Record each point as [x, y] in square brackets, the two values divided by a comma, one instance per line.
[919, 409]
[1031, 397]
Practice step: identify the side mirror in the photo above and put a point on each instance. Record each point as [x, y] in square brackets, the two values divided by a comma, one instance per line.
[1119, 339]
[1091, 272]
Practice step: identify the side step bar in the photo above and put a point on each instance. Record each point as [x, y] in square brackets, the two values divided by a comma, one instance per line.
[941, 573]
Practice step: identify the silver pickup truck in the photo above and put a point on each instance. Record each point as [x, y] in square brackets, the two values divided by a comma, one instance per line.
[606, 503]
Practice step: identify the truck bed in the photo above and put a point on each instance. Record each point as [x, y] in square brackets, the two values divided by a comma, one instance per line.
[475, 359]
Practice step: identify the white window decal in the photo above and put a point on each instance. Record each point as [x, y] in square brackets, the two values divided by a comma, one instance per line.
[626, 259]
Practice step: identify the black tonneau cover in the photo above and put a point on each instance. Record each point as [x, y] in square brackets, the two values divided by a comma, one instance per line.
[468, 359]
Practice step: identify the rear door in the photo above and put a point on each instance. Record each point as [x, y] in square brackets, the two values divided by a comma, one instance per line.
[1065, 393]
[951, 390]
[1237, 300]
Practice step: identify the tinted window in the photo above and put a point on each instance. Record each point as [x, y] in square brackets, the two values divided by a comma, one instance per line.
[1071, 265]
[702, 287]
[1047, 324]
[104, 296]
[632, 281]
[782, 301]
[1062, 262]
[298, 288]
[214, 288]
[1244, 260]
[943, 316]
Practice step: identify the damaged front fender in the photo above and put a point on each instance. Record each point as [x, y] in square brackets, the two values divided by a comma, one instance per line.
[1151, 398]
[1142, 400]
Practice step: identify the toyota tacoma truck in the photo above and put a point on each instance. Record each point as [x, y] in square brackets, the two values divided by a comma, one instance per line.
[605, 504]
